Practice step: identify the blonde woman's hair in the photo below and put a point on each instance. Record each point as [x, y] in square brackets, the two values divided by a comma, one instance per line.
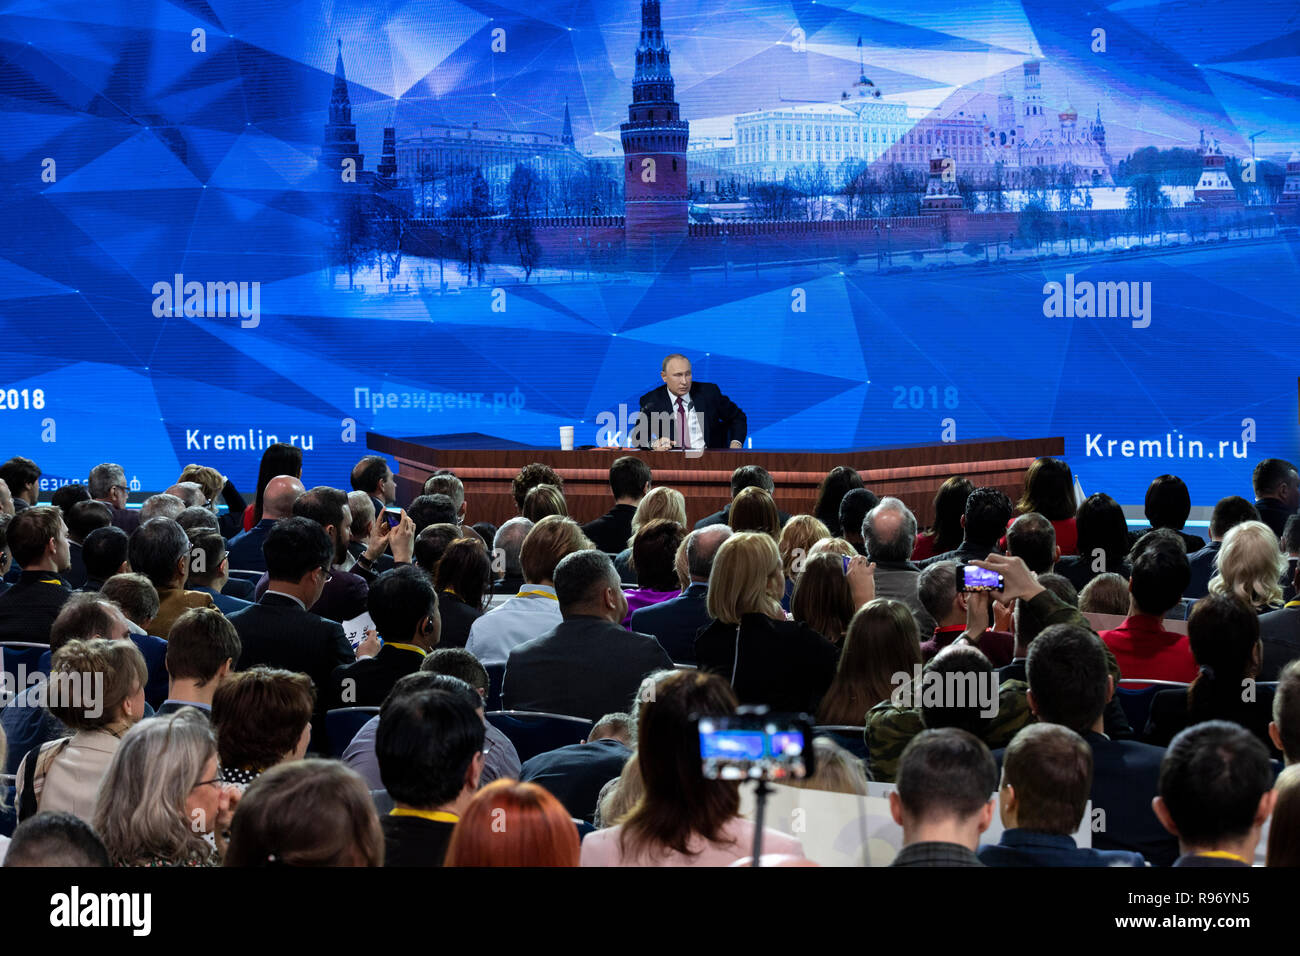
[797, 538]
[746, 578]
[682, 566]
[620, 796]
[209, 479]
[124, 673]
[833, 546]
[1250, 565]
[838, 771]
[140, 814]
[660, 502]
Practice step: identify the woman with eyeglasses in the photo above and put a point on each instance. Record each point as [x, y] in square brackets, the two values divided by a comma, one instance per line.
[162, 797]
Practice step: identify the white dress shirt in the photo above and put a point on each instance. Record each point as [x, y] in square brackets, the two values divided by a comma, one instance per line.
[529, 614]
[694, 426]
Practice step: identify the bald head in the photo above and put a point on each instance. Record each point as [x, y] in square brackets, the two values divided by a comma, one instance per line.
[281, 493]
[889, 531]
[701, 546]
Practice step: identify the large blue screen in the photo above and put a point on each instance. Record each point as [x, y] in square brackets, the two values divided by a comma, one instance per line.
[229, 223]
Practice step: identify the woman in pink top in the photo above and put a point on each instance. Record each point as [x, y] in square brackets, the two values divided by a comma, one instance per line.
[654, 551]
[682, 819]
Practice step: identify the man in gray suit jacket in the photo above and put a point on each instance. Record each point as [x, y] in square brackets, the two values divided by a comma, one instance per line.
[1279, 631]
[588, 665]
[889, 534]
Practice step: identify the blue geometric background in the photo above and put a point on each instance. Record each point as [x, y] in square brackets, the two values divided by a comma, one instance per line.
[204, 163]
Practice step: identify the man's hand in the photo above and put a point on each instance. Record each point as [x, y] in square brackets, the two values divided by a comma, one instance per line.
[370, 646]
[1017, 580]
[862, 580]
[377, 543]
[1002, 617]
[736, 444]
[662, 444]
[402, 539]
[977, 615]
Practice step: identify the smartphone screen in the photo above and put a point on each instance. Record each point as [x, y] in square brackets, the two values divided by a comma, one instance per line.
[393, 516]
[980, 579]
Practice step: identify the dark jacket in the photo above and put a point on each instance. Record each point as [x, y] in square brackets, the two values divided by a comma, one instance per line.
[457, 618]
[933, 854]
[610, 532]
[1273, 513]
[1280, 633]
[373, 677]
[723, 420]
[1019, 847]
[584, 667]
[675, 623]
[28, 609]
[415, 841]
[963, 554]
[1169, 715]
[245, 551]
[1203, 564]
[784, 664]
[343, 598]
[1125, 777]
[575, 774]
[277, 632]
[1078, 569]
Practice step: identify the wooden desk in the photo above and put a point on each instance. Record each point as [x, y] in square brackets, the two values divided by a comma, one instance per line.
[912, 473]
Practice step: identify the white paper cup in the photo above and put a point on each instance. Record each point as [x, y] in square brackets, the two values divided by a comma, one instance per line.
[566, 438]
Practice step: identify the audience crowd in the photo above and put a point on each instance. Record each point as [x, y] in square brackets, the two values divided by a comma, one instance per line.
[323, 678]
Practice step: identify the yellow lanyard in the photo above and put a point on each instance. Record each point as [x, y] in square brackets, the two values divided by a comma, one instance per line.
[537, 594]
[438, 816]
[407, 647]
[1224, 855]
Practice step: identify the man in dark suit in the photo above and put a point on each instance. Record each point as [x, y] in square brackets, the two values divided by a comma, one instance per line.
[1046, 776]
[279, 631]
[38, 541]
[1069, 684]
[277, 502]
[404, 607]
[1228, 513]
[105, 552]
[344, 597]
[430, 751]
[107, 483]
[1216, 794]
[575, 774]
[1279, 632]
[746, 476]
[985, 521]
[1277, 492]
[82, 518]
[588, 665]
[675, 623]
[687, 414]
[629, 478]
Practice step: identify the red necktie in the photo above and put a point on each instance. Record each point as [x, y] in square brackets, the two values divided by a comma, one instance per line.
[681, 424]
